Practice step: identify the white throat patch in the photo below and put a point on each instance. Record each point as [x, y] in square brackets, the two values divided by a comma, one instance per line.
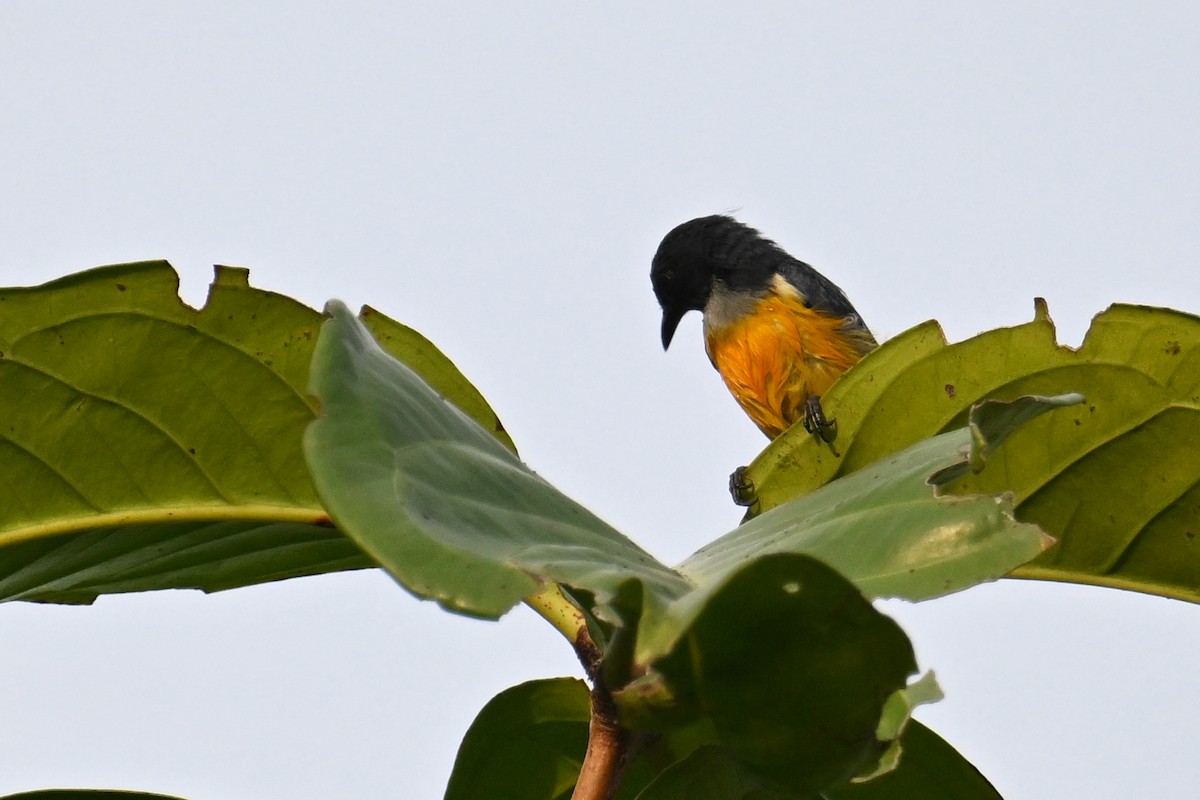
[725, 307]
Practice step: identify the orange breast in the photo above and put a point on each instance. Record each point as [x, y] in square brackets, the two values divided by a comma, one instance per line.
[775, 357]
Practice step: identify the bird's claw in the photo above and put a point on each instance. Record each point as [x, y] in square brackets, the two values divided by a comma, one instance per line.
[817, 425]
[815, 421]
[741, 488]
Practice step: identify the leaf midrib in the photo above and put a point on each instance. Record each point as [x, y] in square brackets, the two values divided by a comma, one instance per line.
[166, 515]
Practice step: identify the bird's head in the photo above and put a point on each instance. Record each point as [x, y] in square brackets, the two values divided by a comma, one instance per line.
[711, 259]
[684, 269]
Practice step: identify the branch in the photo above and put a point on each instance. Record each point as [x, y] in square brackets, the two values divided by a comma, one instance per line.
[608, 742]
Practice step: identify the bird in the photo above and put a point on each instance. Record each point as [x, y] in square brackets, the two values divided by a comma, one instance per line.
[779, 332]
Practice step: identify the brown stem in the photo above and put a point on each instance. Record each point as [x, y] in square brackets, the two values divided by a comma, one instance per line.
[608, 742]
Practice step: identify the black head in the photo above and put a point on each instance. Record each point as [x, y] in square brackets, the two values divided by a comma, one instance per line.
[697, 253]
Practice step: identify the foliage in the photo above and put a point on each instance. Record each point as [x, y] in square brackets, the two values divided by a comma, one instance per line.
[530, 740]
[439, 505]
[177, 448]
[148, 445]
[1114, 480]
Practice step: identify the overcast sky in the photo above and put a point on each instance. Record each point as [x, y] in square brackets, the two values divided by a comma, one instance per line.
[498, 175]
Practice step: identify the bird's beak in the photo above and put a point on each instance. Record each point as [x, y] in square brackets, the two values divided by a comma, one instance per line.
[670, 322]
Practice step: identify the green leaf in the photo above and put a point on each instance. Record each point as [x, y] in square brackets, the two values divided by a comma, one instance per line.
[792, 665]
[884, 529]
[1117, 481]
[148, 445]
[423, 358]
[436, 500]
[1120, 484]
[527, 743]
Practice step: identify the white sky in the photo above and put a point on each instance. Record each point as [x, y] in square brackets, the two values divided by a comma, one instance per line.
[498, 175]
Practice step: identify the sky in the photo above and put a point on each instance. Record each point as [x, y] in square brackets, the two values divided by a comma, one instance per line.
[498, 176]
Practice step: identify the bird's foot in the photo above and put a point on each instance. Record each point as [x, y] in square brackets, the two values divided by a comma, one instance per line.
[815, 421]
[741, 488]
[817, 425]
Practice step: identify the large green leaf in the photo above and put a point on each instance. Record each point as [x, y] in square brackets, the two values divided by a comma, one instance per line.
[526, 744]
[1116, 481]
[147, 445]
[792, 665]
[446, 509]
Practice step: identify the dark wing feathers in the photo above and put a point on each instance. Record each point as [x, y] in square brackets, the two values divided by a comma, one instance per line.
[753, 260]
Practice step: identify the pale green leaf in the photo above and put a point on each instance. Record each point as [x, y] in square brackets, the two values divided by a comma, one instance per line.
[437, 501]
